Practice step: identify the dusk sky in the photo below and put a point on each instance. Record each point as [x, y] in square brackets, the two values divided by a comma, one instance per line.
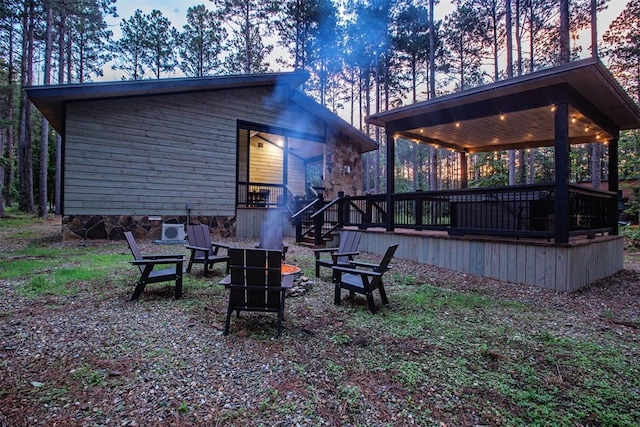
[176, 12]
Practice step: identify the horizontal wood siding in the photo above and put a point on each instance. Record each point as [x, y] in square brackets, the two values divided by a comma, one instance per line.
[563, 268]
[154, 155]
[296, 179]
[266, 162]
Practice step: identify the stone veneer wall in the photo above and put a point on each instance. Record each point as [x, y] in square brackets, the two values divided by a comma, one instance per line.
[340, 153]
[112, 227]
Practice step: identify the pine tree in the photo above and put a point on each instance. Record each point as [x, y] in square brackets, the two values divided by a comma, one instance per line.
[131, 51]
[249, 21]
[200, 43]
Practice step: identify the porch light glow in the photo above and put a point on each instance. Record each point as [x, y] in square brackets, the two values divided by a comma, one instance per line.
[457, 124]
[553, 108]
[502, 117]
[573, 119]
[586, 128]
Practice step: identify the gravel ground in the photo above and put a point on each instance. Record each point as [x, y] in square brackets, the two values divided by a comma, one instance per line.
[164, 362]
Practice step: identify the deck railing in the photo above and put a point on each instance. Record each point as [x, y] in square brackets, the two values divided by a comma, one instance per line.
[527, 210]
[261, 195]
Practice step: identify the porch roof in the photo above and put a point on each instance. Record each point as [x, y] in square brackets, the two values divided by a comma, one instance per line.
[518, 112]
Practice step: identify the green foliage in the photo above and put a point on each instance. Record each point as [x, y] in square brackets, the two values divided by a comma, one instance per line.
[631, 234]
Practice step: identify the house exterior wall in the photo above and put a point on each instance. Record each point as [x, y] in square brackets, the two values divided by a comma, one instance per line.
[156, 155]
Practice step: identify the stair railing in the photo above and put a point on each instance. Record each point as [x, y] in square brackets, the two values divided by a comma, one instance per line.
[302, 218]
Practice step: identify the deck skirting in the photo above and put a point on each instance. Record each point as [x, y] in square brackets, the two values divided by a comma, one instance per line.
[563, 268]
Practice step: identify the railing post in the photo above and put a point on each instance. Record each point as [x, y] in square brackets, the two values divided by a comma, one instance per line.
[341, 213]
[417, 209]
[318, 222]
[298, 220]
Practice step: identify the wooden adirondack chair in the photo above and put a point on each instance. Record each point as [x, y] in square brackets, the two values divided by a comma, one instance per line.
[203, 250]
[147, 263]
[364, 278]
[255, 283]
[340, 256]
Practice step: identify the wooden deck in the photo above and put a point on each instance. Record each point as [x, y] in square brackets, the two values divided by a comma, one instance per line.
[537, 262]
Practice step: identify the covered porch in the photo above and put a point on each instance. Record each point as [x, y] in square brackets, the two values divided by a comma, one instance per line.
[497, 232]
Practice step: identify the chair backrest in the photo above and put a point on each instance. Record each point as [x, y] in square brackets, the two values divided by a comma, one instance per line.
[271, 237]
[198, 235]
[386, 259]
[256, 278]
[349, 242]
[133, 245]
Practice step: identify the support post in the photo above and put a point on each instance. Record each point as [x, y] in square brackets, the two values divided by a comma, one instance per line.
[391, 172]
[464, 174]
[613, 184]
[561, 208]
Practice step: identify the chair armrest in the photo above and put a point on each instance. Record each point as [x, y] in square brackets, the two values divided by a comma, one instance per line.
[364, 264]
[318, 252]
[161, 256]
[196, 248]
[341, 254]
[357, 271]
[157, 261]
[220, 245]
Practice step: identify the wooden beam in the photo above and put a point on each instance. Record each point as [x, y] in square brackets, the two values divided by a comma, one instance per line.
[613, 182]
[562, 169]
[391, 175]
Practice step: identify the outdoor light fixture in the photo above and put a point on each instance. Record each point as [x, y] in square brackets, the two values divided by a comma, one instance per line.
[260, 145]
[502, 117]
[457, 124]
[346, 169]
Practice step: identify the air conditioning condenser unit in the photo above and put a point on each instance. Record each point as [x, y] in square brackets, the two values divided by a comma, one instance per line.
[172, 232]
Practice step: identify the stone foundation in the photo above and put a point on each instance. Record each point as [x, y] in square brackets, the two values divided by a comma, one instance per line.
[112, 227]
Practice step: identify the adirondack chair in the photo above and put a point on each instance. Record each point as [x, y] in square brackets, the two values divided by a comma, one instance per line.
[255, 283]
[147, 263]
[364, 278]
[340, 256]
[271, 238]
[203, 250]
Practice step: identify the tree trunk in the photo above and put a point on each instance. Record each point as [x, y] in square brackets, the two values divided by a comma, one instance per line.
[596, 170]
[432, 53]
[25, 155]
[10, 172]
[508, 29]
[594, 29]
[565, 38]
[44, 140]
[61, 56]
[509, 32]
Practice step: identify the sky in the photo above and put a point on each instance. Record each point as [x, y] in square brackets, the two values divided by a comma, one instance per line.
[176, 11]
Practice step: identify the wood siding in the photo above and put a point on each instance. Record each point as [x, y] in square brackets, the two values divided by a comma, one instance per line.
[563, 268]
[266, 162]
[296, 180]
[154, 155]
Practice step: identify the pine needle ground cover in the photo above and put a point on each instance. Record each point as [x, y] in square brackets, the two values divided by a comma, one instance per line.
[450, 349]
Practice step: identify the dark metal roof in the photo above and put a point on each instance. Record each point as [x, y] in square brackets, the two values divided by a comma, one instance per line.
[516, 113]
[51, 100]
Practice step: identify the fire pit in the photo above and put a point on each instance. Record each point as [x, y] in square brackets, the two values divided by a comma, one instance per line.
[289, 269]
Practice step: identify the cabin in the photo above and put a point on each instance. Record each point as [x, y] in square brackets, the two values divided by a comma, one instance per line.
[229, 151]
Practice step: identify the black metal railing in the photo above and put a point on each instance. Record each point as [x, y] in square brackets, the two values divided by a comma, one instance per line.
[527, 210]
[261, 195]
